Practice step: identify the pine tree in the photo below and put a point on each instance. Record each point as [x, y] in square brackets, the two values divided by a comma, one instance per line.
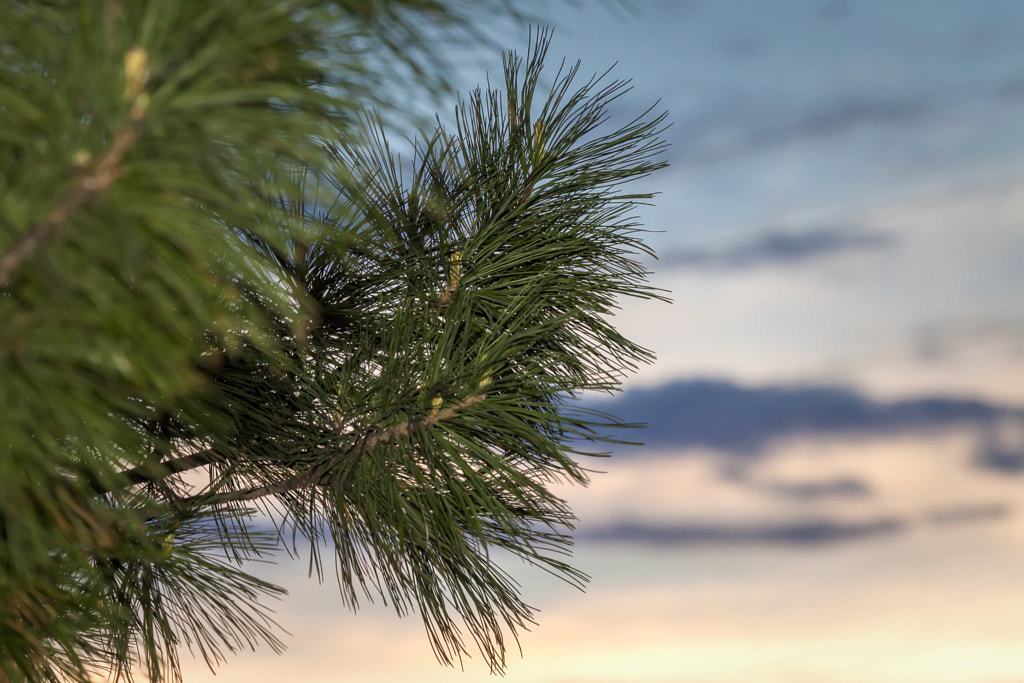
[236, 323]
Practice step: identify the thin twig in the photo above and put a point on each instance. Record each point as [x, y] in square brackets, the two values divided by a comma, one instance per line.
[104, 175]
[446, 297]
[321, 473]
[148, 473]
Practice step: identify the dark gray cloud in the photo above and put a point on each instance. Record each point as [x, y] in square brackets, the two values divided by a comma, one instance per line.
[801, 533]
[743, 420]
[776, 247]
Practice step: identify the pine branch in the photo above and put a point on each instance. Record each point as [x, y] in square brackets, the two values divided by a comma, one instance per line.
[502, 257]
[321, 474]
[106, 172]
[88, 185]
[152, 472]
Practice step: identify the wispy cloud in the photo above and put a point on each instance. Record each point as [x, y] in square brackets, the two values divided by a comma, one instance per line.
[831, 118]
[841, 487]
[776, 247]
[968, 513]
[942, 339]
[799, 533]
[795, 533]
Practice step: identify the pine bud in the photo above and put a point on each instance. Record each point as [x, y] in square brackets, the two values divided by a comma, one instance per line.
[166, 547]
[538, 138]
[136, 72]
[456, 269]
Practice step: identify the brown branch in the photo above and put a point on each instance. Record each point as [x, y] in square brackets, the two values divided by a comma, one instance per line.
[136, 75]
[454, 278]
[446, 297]
[104, 175]
[144, 474]
[155, 471]
[320, 474]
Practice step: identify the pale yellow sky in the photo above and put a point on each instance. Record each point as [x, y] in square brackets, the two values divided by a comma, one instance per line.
[939, 602]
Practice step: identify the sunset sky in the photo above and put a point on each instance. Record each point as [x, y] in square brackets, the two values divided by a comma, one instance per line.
[833, 486]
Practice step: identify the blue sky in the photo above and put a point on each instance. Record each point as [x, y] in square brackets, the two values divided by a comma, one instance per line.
[833, 483]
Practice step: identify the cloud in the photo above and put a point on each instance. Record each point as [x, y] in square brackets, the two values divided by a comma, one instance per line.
[968, 513]
[1004, 461]
[831, 118]
[776, 247]
[941, 340]
[742, 420]
[806, 533]
[1001, 450]
[740, 123]
[799, 533]
[841, 487]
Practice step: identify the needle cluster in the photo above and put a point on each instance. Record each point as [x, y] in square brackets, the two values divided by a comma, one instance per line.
[236, 323]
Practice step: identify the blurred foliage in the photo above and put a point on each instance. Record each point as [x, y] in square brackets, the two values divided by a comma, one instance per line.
[234, 322]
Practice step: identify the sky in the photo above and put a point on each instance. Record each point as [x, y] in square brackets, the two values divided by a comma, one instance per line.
[833, 480]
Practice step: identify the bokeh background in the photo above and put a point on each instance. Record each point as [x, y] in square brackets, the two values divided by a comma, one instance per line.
[833, 486]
